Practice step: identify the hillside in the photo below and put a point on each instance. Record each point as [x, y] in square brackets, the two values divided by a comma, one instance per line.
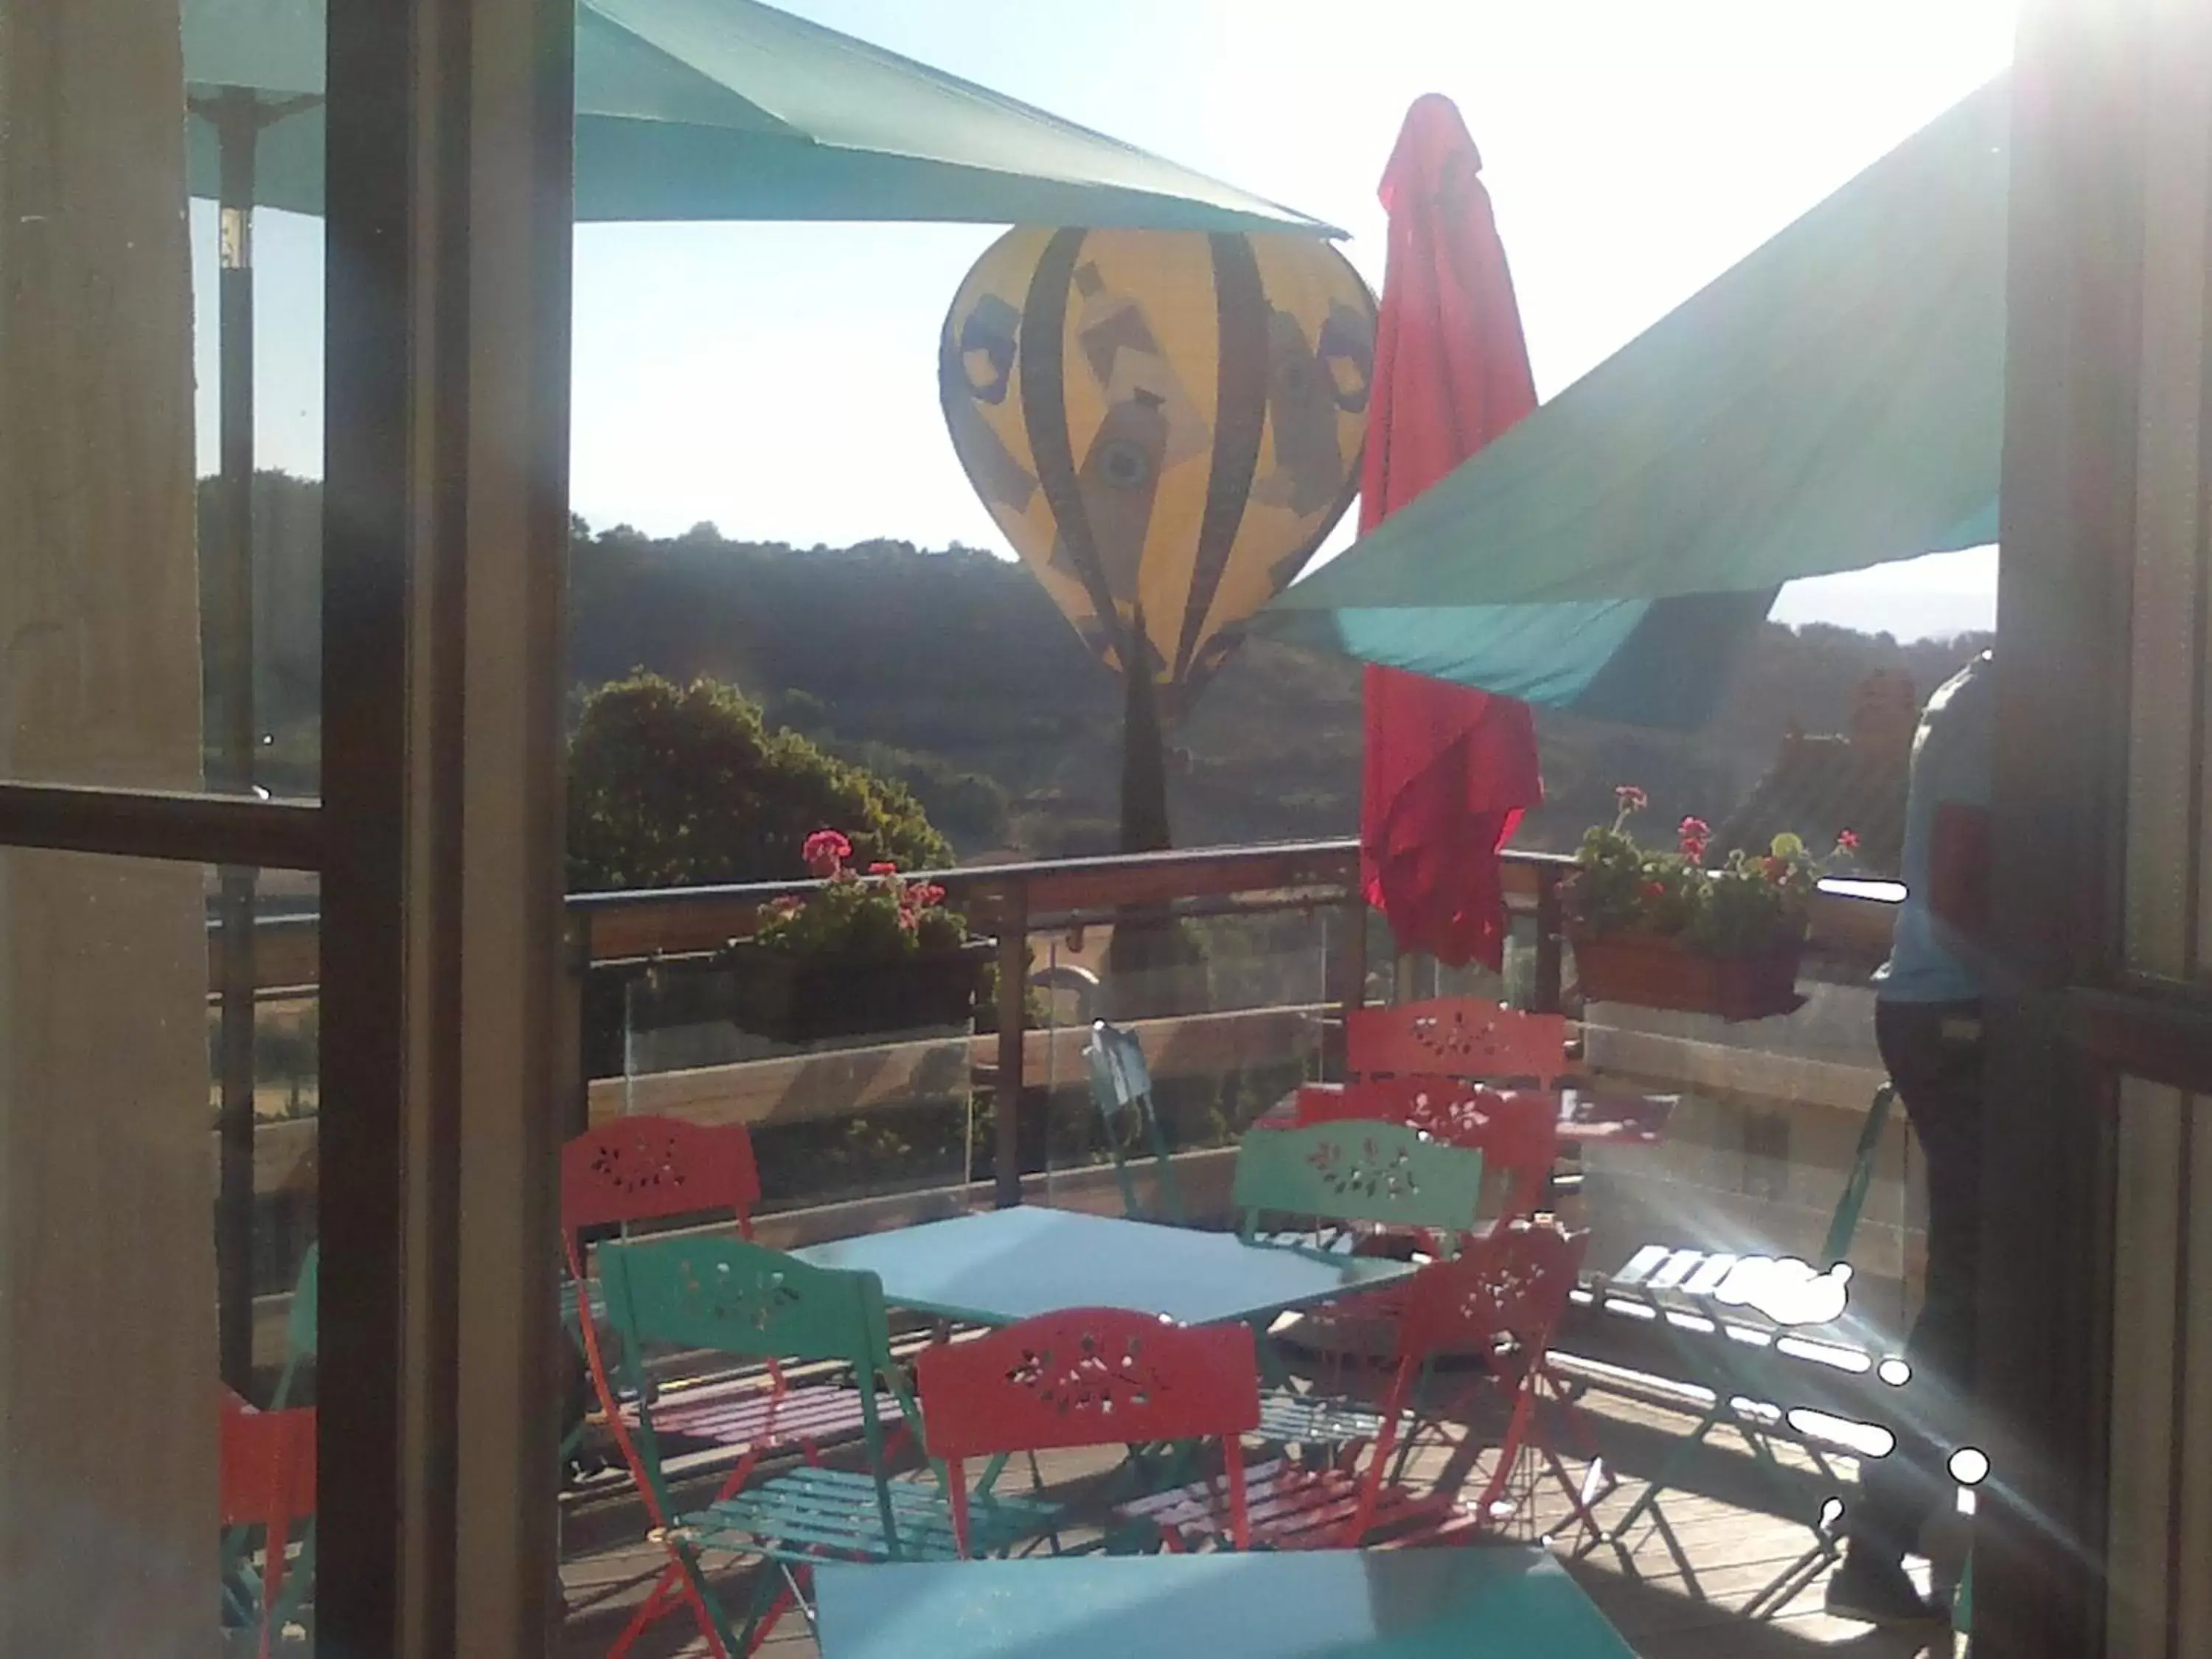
[951, 671]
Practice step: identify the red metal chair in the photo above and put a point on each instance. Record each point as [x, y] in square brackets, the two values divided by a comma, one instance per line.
[267, 1481]
[649, 1169]
[1420, 1064]
[1517, 1134]
[1466, 1037]
[1500, 1302]
[1091, 1376]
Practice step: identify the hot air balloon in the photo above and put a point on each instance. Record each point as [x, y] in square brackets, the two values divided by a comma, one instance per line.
[1166, 425]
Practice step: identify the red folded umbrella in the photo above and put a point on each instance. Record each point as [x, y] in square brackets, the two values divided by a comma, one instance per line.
[1449, 771]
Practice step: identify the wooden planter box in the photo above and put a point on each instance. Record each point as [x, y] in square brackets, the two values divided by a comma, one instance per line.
[813, 998]
[1662, 973]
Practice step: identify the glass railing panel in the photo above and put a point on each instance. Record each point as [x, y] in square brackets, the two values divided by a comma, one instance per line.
[1232, 1012]
[854, 1084]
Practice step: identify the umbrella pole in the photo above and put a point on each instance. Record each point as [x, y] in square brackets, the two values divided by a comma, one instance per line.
[237, 121]
[1152, 966]
[1143, 769]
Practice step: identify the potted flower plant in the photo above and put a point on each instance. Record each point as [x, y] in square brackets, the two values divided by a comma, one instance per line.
[1665, 929]
[860, 954]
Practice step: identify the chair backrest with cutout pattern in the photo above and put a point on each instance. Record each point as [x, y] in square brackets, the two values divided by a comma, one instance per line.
[1457, 1036]
[1090, 1376]
[652, 1169]
[1513, 1285]
[1354, 1171]
[1516, 1131]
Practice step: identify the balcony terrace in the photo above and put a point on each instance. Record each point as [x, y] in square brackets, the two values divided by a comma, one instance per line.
[892, 1129]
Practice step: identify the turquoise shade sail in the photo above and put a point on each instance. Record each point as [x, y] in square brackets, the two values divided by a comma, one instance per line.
[1663, 663]
[731, 110]
[1834, 401]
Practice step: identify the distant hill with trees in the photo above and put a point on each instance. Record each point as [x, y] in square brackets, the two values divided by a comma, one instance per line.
[951, 674]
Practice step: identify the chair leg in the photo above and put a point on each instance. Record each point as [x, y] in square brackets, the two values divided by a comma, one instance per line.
[651, 1607]
[771, 1601]
[798, 1599]
[669, 1587]
[298, 1582]
[706, 1609]
[1509, 1448]
[1598, 1482]
[1647, 1501]
[671, 1576]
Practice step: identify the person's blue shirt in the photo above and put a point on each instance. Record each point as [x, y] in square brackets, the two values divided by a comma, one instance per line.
[1927, 961]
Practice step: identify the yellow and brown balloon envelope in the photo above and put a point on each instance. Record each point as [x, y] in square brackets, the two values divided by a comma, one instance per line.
[1164, 423]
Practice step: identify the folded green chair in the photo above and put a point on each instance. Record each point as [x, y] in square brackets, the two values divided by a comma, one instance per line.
[1121, 1090]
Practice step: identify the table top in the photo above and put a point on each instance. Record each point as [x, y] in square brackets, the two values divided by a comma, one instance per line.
[1585, 1114]
[999, 1266]
[1479, 1603]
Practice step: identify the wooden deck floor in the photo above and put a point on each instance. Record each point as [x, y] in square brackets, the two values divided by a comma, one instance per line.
[1724, 1519]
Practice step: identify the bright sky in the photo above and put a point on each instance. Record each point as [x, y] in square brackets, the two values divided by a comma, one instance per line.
[780, 379]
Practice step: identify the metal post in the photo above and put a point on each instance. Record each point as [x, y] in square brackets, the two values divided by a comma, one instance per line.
[1013, 922]
[575, 1012]
[1351, 988]
[1145, 827]
[1550, 924]
[236, 120]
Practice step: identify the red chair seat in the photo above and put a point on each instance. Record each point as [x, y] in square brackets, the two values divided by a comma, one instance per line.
[1293, 1507]
[761, 1418]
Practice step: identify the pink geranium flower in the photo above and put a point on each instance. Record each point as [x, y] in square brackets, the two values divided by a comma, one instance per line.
[825, 851]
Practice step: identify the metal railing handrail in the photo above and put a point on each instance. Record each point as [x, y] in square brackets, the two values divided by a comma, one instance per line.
[625, 926]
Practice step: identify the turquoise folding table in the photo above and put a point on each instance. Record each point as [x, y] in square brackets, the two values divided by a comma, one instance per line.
[1478, 1602]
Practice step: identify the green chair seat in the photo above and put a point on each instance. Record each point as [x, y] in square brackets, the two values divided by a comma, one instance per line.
[810, 1513]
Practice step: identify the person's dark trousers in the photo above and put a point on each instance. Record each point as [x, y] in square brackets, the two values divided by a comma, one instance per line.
[1933, 1053]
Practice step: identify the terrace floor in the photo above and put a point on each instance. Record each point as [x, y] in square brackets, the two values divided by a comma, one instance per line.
[1723, 1516]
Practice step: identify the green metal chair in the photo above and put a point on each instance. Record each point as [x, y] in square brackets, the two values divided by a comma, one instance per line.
[300, 1325]
[1728, 1345]
[1330, 1180]
[1356, 1171]
[1844, 1226]
[726, 1296]
[1121, 1090]
[241, 1585]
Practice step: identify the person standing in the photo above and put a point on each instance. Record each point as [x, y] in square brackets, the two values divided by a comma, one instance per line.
[1928, 1022]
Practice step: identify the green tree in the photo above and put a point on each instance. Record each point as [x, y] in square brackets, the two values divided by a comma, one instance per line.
[674, 786]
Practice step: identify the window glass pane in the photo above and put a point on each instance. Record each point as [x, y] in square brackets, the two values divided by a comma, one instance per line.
[161, 364]
[152, 1233]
